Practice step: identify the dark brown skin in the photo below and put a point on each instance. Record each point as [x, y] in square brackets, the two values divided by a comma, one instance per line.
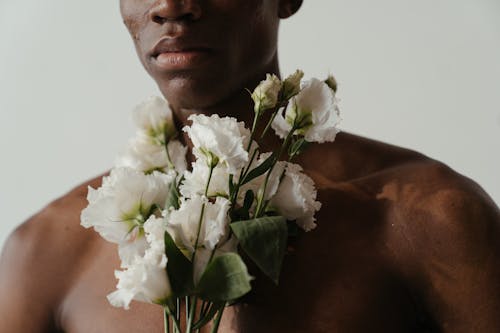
[403, 244]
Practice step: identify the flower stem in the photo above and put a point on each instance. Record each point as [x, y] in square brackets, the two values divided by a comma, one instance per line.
[200, 221]
[260, 205]
[215, 328]
[254, 126]
[191, 314]
[275, 112]
[170, 164]
[186, 310]
[177, 327]
[243, 174]
[209, 179]
[204, 309]
[191, 306]
[178, 309]
[166, 321]
[169, 159]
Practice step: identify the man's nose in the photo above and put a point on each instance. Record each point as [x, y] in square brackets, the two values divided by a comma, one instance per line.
[175, 10]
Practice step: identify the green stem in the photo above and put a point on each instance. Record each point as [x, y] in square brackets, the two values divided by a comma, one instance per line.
[177, 326]
[279, 182]
[200, 221]
[203, 317]
[247, 169]
[215, 328]
[169, 159]
[191, 315]
[186, 310]
[275, 112]
[243, 174]
[260, 207]
[252, 135]
[268, 124]
[166, 321]
[254, 126]
[204, 308]
[209, 179]
[178, 309]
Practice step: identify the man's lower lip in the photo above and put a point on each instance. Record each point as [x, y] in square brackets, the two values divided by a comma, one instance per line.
[180, 60]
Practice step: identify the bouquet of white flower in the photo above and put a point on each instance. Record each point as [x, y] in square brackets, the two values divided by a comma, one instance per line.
[179, 232]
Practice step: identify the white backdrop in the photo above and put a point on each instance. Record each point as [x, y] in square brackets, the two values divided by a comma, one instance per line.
[423, 74]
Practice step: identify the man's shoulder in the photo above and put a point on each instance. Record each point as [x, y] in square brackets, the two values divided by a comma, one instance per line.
[52, 238]
[351, 157]
[422, 199]
[401, 175]
[59, 220]
[41, 259]
[429, 204]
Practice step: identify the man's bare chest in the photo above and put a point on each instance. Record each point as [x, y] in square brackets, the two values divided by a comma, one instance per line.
[345, 303]
[328, 284]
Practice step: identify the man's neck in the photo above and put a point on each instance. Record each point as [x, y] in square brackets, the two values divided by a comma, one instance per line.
[239, 105]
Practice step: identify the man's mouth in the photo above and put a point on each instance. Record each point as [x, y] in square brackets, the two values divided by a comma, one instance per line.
[174, 53]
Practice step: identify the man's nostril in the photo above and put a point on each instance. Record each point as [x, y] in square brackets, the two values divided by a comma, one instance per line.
[158, 19]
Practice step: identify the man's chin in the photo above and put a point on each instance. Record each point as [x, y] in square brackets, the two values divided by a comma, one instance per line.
[187, 92]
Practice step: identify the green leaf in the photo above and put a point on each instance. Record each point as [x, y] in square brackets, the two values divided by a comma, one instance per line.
[261, 169]
[264, 241]
[249, 196]
[226, 278]
[298, 147]
[293, 229]
[240, 214]
[173, 195]
[231, 186]
[179, 268]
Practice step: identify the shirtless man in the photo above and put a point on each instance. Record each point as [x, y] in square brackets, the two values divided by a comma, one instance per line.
[403, 244]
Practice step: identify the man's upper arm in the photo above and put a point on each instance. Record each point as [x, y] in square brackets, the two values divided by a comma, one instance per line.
[26, 301]
[456, 243]
[39, 261]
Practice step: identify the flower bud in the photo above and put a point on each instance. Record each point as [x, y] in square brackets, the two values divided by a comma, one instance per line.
[291, 85]
[313, 113]
[154, 120]
[265, 96]
[331, 82]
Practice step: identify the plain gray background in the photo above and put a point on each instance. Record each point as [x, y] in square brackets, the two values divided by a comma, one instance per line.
[422, 74]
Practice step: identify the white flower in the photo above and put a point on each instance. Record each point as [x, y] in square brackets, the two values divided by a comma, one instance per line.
[154, 229]
[146, 151]
[296, 197]
[119, 208]
[145, 279]
[154, 119]
[177, 152]
[134, 247]
[221, 140]
[195, 181]
[265, 95]
[184, 222]
[274, 178]
[146, 156]
[183, 225]
[291, 85]
[314, 111]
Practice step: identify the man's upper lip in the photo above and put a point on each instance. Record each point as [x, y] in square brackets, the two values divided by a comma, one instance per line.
[171, 45]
